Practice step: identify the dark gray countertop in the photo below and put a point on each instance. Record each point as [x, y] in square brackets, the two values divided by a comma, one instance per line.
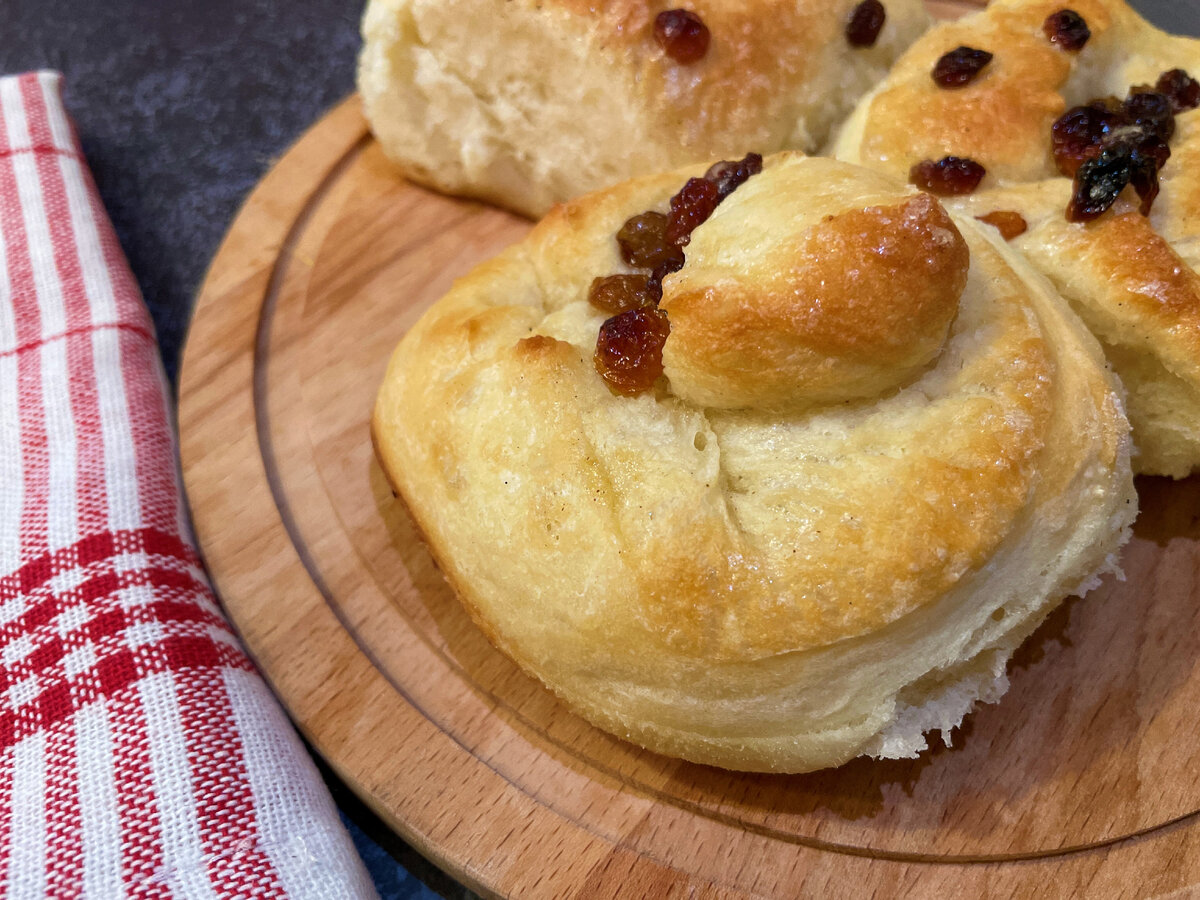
[182, 107]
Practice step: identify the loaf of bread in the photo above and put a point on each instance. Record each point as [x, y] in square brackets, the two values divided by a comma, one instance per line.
[526, 103]
[1021, 115]
[882, 449]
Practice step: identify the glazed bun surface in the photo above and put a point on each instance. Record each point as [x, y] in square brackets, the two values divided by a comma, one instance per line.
[1132, 278]
[526, 103]
[883, 449]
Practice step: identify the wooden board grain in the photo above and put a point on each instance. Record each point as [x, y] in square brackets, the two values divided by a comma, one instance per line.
[1083, 781]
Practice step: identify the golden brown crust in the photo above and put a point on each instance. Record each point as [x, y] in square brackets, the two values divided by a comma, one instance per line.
[746, 587]
[1176, 212]
[764, 57]
[527, 103]
[889, 551]
[1002, 118]
[1159, 290]
[852, 306]
[1132, 280]
[1141, 290]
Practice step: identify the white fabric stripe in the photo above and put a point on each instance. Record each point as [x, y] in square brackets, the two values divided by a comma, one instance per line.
[120, 460]
[62, 512]
[183, 852]
[60, 429]
[8, 320]
[99, 820]
[96, 280]
[11, 469]
[10, 416]
[14, 114]
[41, 247]
[27, 860]
[12, 498]
[56, 116]
[300, 830]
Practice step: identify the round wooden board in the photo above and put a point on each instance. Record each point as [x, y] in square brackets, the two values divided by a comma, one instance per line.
[1084, 780]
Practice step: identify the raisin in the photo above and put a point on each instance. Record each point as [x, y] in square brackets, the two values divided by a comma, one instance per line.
[682, 35]
[690, 208]
[629, 346]
[729, 175]
[948, 176]
[1079, 133]
[865, 23]
[643, 241]
[1182, 90]
[1010, 224]
[1143, 175]
[1099, 181]
[960, 66]
[1151, 111]
[1067, 29]
[617, 293]
[654, 282]
[1151, 145]
[629, 349]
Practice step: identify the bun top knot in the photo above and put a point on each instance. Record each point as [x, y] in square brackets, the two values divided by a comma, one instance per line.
[814, 283]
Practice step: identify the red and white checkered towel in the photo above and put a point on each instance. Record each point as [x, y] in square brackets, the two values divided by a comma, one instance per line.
[140, 753]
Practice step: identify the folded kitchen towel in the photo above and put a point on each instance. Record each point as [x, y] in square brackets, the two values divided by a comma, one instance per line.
[141, 755]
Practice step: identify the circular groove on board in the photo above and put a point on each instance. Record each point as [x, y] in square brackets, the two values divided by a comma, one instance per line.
[1155, 861]
[502, 705]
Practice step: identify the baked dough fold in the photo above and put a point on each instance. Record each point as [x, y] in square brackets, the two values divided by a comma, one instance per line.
[1134, 280]
[739, 576]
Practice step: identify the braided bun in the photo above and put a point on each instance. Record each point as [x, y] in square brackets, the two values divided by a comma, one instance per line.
[882, 450]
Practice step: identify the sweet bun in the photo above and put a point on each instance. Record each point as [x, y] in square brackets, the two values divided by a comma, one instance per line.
[882, 450]
[526, 103]
[1132, 278]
